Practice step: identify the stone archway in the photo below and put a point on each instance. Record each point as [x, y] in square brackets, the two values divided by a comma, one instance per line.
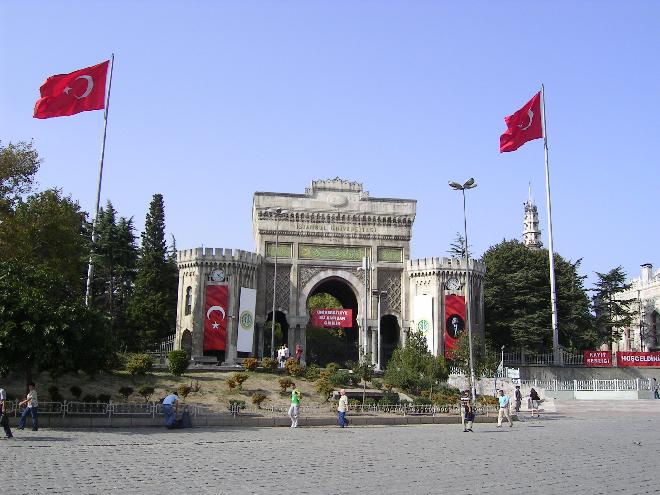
[390, 337]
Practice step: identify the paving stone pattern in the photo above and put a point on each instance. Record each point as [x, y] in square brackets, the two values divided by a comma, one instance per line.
[579, 450]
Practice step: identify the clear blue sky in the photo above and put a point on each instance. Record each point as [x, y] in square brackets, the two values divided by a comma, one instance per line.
[214, 100]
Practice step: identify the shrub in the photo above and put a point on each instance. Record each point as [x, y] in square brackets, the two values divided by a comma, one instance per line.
[125, 392]
[285, 383]
[332, 367]
[146, 392]
[293, 367]
[54, 393]
[269, 363]
[250, 364]
[389, 399]
[90, 398]
[236, 405]
[354, 402]
[370, 401]
[312, 373]
[104, 398]
[183, 390]
[177, 362]
[340, 378]
[388, 386]
[239, 378]
[487, 400]
[231, 383]
[377, 384]
[258, 399]
[139, 364]
[324, 386]
[422, 401]
[76, 392]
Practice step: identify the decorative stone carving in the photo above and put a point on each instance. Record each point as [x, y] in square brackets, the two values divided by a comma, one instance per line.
[390, 281]
[282, 289]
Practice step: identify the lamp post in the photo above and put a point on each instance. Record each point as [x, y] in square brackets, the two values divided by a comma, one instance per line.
[379, 293]
[469, 184]
[366, 267]
[278, 212]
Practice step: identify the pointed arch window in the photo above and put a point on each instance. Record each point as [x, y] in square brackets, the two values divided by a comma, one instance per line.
[188, 306]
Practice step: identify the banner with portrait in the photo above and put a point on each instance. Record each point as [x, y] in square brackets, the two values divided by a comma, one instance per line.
[215, 317]
[454, 322]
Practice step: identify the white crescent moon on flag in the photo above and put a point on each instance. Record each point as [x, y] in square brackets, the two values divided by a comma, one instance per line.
[90, 86]
[215, 308]
[531, 116]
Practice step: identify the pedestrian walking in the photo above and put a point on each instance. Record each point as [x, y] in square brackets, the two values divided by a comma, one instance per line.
[467, 411]
[342, 408]
[287, 353]
[170, 409]
[295, 406]
[518, 396]
[298, 352]
[4, 417]
[535, 400]
[31, 407]
[654, 387]
[504, 410]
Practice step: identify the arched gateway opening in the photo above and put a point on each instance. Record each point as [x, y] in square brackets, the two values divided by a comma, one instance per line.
[389, 335]
[325, 345]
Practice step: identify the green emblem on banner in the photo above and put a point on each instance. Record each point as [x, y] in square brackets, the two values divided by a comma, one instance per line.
[423, 325]
[246, 320]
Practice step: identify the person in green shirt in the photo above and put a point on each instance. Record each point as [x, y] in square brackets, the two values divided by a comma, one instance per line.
[295, 406]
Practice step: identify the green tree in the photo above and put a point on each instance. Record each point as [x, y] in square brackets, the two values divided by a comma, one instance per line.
[413, 368]
[612, 314]
[325, 345]
[517, 300]
[153, 305]
[457, 248]
[19, 164]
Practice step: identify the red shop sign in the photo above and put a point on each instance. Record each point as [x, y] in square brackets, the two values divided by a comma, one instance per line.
[597, 358]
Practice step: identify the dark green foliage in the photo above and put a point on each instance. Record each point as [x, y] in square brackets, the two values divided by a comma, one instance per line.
[326, 344]
[146, 392]
[19, 163]
[332, 367]
[612, 314]
[139, 364]
[152, 308]
[457, 248]
[340, 378]
[269, 363]
[76, 392]
[90, 398]
[517, 300]
[389, 399]
[177, 362]
[54, 394]
[126, 392]
[104, 398]
[312, 373]
[413, 368]
[323, 385]
[235, 405]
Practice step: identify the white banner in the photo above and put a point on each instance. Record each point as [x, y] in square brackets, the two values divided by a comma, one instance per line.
[423, 318]
[248, 302]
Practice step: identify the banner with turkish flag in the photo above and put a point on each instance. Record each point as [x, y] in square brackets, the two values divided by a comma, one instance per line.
[69, 94]
[524, 125]
[454, 322]
[215, 317]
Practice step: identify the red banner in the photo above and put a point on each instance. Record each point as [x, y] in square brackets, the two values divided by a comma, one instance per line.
[638, 359]
[332, 318]
[215, 317]
[454, 322]
[597, 358]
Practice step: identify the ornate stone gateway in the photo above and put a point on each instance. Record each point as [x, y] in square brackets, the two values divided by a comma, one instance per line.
[319, 240]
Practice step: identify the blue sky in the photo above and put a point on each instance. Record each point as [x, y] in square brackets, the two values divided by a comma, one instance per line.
[212, 101]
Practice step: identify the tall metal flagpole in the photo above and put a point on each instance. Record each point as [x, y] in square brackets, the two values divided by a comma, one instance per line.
[553, 288]
[90, 267]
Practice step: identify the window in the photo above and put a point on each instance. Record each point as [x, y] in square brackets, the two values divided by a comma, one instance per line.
[188, 300]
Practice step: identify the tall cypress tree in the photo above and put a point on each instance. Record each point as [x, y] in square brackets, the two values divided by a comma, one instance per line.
[612, 314]
[153, 304]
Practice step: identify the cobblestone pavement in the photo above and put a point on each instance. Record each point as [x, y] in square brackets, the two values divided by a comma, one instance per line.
[579, 449]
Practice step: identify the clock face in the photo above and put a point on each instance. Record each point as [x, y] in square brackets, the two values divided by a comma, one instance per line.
[453, 284]
[218, 275]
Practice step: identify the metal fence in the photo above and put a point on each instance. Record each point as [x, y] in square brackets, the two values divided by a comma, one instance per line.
[588, 385]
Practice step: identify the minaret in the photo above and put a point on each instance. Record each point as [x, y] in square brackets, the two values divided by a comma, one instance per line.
[531, 232]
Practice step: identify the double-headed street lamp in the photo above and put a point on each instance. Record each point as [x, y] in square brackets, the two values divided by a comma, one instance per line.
[379, 293]
[469, 184]
[277, 212]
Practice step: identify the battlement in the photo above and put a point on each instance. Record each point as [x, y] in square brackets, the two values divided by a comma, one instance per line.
[444, 263]
[336, 184]
[217, 255]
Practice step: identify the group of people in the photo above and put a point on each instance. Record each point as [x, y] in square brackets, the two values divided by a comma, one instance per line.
[294, 409]
[30, 404]
[283, 354]
[504, 407]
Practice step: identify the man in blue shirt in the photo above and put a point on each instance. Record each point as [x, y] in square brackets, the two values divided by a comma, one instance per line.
[170, 408]
[504, 410]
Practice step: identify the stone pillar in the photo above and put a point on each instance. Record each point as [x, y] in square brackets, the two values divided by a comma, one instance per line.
[232, 324]
[374, 346]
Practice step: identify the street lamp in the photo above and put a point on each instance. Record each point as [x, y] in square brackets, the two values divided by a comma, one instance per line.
[469, 184]
[277, 212]
[379, 293]
[367, 268]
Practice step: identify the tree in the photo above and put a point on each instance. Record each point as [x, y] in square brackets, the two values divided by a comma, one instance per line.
[414, 368]
[19, 164]
[517, 300]
[485, 362]
[153, 305]
[325, 345]
[457, 248]
[612, 314]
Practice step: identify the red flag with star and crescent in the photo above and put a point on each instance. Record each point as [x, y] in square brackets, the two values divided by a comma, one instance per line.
[68, 94]
[215, 317]
[524, 125]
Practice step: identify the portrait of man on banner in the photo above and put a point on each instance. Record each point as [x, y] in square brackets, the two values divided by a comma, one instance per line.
[454, 322]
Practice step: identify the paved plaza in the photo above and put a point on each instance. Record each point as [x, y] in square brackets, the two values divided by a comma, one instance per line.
[581, 448]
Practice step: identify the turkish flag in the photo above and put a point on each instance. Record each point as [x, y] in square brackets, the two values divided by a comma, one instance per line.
[69, 94]
[524, 125]
[215, 317]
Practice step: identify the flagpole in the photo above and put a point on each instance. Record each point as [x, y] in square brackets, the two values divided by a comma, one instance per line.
[551, 254]
[90, 266]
